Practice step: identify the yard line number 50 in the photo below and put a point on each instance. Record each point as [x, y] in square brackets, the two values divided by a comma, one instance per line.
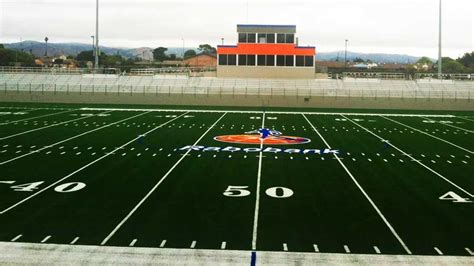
[242, 191]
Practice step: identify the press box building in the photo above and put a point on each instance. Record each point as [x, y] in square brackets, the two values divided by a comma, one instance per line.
[266, 51]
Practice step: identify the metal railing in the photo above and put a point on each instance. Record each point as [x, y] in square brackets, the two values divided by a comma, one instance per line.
[456, 90]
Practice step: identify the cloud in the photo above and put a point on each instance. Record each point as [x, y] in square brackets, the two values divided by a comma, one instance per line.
[401, 26]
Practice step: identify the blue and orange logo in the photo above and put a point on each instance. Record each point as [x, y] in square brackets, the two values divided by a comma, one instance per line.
[262, 136]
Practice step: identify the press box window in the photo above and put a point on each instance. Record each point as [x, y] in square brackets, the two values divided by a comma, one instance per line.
[262, 38]
[270, 38]
[290, 38]
[309, 61]
[242, 60]
[270, 60]
[232, 60]
[300, 61]
[280, 38]
[289, 60]
[251, 60]
[243, 37]
[280, 60]
[261, 60]
[251, 38]
[223, 59]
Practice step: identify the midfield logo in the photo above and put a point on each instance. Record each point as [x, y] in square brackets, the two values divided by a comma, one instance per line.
[262, 136]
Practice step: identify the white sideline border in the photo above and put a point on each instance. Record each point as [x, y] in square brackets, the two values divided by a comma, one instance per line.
[259, 112]
[40, 116]
[55, 254]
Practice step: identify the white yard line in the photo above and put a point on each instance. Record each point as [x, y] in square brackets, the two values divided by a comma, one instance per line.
[413, 159]
[257, 193]
[376, 208]
[68, 139]
[26, 119]
[421, 131]
[448, 125]
[87, 165]
[463, 118]
[268, 112]
[124, 220]
[52, 125]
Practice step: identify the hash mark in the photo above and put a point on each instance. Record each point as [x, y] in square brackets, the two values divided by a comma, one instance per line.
[45, 239]
[74, 241]
[163, 243]
[438, 251]
[223, 245]
[377, 250]
[133, 242]
[193, 244]
[316, 249]
[346, 248]
[285, 247]
[20, 235]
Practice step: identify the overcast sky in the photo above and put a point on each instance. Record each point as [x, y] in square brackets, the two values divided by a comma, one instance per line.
[388, 26]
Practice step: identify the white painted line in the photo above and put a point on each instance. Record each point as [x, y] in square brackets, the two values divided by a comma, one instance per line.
[223, 245]
[124, 220]
[35, 117]
[285, 247]
[257, 193]
[423, 132]
[463, 118]
[193, 244]
[74, 241]
[390, 227]
[7, 182]
[133, 243]
[316, 249]
[438, 251]
[45, 239]
[417, 161]
[163, 243]
[377, 250]
[268, 112]
[460, 128]
[41, 128]
[16, 238]
[346, 248]
[68, 139]
[85, 166]
[469, 251]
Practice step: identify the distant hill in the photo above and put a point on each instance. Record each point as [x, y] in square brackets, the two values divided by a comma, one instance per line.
[56, 49]
[378, 58]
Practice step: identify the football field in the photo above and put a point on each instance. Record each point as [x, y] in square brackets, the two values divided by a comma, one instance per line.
[372, 182]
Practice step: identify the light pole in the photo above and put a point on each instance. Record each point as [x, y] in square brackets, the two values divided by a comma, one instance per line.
[93, 46]
[183, 51]
[46, 39]
[345, 57]
[96, 34]
[222, 39]
[440, 58]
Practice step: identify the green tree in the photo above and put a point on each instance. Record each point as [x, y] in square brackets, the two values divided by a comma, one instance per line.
[189, 53]
[9, 57]
[453, 67]
[207, 49]
[467, 60]
[1, 46]
[359, 60]
[172, 57]
[159, 54]
[424, 60]
[85, 56]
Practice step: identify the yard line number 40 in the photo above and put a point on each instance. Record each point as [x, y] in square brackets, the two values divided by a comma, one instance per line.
[30, 187]
[242, 191]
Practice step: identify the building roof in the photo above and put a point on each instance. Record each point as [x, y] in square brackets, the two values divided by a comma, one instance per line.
[254, 28]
